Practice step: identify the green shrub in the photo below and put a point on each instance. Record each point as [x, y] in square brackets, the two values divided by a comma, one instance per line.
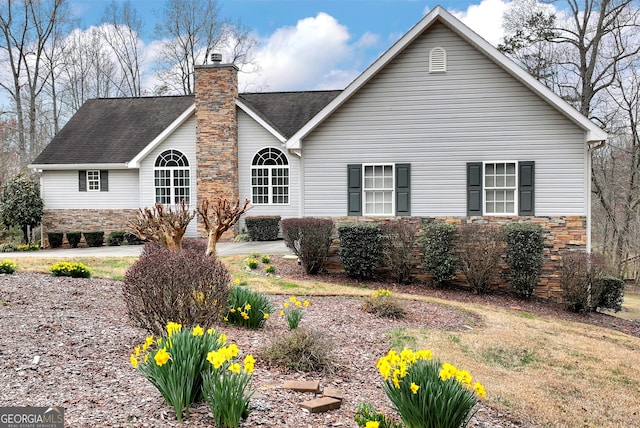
[8, 266]
[440, 261]
[116, 238]
[399, 243]
[612, 295]
[301, 350]
[94, 239]
[360, 249]
[72, 269]
[581, 280]
[525, 246]
[74, 238]
[55, 239]
[365, 412]
[248, 308]
[242, 237]
[8, 247]
[132, 239]
[263, 228]
[176, 362]
[480, 248]
[184, 286]
[309, 238]
[383, 303]
[427, 393]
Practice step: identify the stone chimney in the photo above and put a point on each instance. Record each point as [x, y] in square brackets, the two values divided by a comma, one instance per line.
[216, 90]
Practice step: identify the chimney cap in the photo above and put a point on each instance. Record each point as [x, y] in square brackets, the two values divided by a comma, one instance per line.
[216, 58]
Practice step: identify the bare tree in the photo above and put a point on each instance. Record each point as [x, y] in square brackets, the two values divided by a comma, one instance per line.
[25, 28]
[219, 219]
[121, 30]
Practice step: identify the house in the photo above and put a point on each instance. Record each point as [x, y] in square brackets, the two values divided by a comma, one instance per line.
[442, 126]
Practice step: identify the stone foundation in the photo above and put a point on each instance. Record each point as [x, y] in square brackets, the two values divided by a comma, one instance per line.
[85, 221]
[560, 233]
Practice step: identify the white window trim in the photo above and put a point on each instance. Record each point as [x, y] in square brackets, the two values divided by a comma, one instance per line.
[172, 169]
[270, 186]
[484, 190]
[393, 190]
[89, 171]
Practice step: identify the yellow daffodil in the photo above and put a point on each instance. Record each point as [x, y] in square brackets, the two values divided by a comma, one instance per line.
[173, 328]
[306, 303]
[149, 341]
[281, 313]
[215, 358]
[235, 368]
[414, 388]
[232, 310]
[372, 424]
[233, 350]
[292, 299]
[479, 389]
[137, 351]
[285, 304]
[161, 357]
[198, 331]
[134, 361]
[237, 281]
[299, 303]
[222, 339]
[265, 316]
[247, 307]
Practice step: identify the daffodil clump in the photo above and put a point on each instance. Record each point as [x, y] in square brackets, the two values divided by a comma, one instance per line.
[427, 393]
[248, 308]
[8, 266]
[293, 310]
[383, 303]
[72, 269]
[175, 363]
[227, 386]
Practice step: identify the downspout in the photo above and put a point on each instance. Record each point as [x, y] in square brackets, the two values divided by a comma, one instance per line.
[593, 146]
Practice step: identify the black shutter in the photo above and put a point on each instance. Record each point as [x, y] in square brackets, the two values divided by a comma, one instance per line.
[104, 180]
[354, 189]
[403, 189]
[474, 188]
[526, 182]
[82, 181]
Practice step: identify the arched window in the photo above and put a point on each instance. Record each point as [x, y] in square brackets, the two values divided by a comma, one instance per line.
[270, 177]
[171, 178]
[437, 60]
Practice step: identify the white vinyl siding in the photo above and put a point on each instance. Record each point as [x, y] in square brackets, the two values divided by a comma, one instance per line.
[252, 138]
[60, 191]
[475, 112]
[182, 139]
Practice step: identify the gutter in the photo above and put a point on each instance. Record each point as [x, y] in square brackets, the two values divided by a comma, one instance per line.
[592, 147]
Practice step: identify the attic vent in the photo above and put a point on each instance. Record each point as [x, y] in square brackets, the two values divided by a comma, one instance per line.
[437, 60]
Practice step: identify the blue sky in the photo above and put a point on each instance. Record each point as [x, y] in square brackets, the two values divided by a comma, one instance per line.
[317, 44]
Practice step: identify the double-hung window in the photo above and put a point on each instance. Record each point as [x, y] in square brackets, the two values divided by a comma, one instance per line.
[270, 177]
[93, 180]
[500, 188]
[172, 178]
[378, 189]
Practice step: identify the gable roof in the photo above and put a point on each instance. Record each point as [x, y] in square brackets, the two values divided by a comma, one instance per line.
[112, 130]
[438, 14]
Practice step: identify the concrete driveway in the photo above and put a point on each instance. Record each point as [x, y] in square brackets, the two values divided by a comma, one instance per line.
[224, 249]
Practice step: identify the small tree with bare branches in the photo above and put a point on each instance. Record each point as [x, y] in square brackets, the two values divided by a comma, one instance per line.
[219, 218]
[163, 225]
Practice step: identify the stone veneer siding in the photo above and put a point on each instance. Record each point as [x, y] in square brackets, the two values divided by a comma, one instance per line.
[562, 233]
[86, 220]
[216, 90]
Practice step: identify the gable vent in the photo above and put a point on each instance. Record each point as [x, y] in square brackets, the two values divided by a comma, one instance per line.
[437, 60]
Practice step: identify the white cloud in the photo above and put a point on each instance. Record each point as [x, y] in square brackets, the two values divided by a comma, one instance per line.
[485, 19]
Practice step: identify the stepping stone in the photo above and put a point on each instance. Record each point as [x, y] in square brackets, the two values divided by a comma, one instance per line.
[321, 404]
[333, 393]
[303, 386]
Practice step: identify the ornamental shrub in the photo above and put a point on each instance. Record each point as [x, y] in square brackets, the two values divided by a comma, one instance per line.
[525, 246]
[360, 248]
[581, 282]
[612, 296]
[94, 239]
[8, 247]
[427, 393]
[176, 361]
[116, 238]
[180, 285]
[480, 248]
[248, 308]
[55, 239]
[263, 228]
[309, 238]
[8, 266]
[399, 243]
[72, 269]
[385, 304]
[302, 350]
[439, 260]
[74, 238]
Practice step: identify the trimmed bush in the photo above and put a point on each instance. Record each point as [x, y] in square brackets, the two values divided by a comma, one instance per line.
[612, 296]
[94, 239]
[581, 280]
[263, 228]
[309, 238]
[181, 285]
[116, 238]
[399, 243]
[360, 248]
[55, 239]
[248, 308]
[301, 350]
[440, 261]
[8, 247]
[74, 238]
[480, 248]
[525, 246]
